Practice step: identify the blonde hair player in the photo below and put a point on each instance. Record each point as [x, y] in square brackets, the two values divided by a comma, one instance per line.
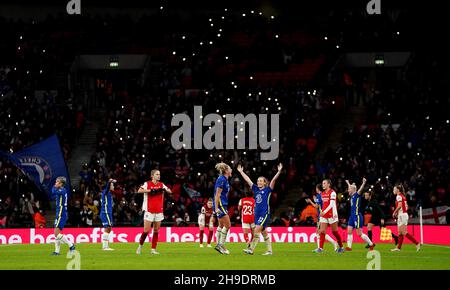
[262, 191]
[153, 191]
[356, 220]
[221, 189]
[59, 192]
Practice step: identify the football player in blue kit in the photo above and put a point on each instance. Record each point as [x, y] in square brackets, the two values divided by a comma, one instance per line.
[356, 220]
[221, 189]
[59, 193]
[106, 214]
[262, 191]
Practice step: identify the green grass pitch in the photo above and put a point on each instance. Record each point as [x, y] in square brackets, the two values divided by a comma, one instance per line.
[188, 256]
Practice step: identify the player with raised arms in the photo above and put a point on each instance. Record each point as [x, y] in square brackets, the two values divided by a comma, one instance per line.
[246, 207]
[262, 192]
[401, 214]
[221, 189]
[153, 203]
[317, 203]
[329, 216]
[205, 218]
[356, 220]
[106, 214]
[59, 193]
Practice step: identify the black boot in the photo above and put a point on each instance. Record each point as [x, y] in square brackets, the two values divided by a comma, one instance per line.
[395, 239]
[369, 234]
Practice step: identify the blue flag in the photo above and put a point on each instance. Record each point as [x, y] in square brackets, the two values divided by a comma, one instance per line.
[42, 163]
[192, 193]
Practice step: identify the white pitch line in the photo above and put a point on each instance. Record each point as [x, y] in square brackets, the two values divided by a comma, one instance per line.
[440, 246]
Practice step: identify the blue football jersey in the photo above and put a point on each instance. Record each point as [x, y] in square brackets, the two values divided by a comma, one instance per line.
[106, 200]
[262, 199]
[222, 182]
[319, 202]
[60, 195]
[355, 204]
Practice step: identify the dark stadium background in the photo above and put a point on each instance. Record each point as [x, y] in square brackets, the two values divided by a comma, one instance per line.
[325, 102]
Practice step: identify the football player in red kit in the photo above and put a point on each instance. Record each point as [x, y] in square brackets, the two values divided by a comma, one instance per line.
[246, 208]
[206, 218]
[329, 216]
[153, 208]
[401, 214]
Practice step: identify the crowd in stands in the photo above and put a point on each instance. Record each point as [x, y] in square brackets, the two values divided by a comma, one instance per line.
[136, 132]
[231, 64]
[30, 111]
[135, 137]
[402, 139]
[131, 144]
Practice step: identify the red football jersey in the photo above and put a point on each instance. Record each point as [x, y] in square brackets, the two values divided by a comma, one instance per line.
[153, 202]
[207, 211]
[401, 199]
[327, 197]
[248, 213]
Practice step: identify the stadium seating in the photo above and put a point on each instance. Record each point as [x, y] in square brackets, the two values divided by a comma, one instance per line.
[264, 61]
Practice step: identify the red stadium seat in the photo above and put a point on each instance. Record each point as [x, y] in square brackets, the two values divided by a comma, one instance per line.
[311, 144]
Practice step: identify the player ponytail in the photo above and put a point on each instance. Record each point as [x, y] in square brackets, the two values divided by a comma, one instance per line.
[319, 187]
[222, 167]
[400, 187]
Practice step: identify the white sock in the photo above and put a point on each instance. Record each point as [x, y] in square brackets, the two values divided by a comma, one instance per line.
[57, 245]
[268, 242]
[105, 240]
[254, 241]
[64, 239]
[330, 239]
[218, 234]
[366, 239]
[223, 237]
[318, 240]
[349, 240]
